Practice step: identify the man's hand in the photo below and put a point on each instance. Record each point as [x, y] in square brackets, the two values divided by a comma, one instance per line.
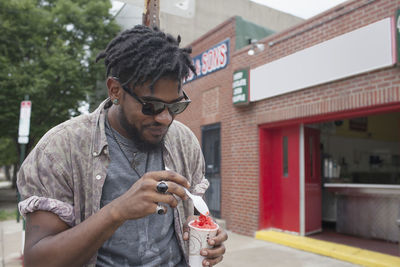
[142, 198]
[213, 255]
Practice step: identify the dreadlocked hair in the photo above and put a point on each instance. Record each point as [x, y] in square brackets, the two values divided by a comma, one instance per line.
[143, 54]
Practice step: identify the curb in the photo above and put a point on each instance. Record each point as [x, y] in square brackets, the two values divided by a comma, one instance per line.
[342, 252]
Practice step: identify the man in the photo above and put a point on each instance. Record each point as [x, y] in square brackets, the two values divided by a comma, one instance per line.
[96, 190]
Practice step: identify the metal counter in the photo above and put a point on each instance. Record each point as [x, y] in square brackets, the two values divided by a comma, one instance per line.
[367, 210]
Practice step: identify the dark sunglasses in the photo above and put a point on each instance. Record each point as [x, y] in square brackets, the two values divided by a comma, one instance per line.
[156, 107]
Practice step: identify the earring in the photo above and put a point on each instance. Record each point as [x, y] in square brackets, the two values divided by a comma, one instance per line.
[115, 101]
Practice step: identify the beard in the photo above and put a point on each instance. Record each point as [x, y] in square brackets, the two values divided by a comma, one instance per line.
[136, 135]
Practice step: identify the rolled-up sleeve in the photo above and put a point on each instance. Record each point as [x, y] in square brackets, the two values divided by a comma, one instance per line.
[45, 180]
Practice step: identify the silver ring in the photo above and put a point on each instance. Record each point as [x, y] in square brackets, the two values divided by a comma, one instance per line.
[162, 187]
[160, 210]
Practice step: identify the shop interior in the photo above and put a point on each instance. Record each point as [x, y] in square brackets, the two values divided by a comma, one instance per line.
[360, 175]
[361, 150]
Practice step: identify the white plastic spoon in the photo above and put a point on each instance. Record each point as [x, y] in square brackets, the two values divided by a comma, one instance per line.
[198, 201]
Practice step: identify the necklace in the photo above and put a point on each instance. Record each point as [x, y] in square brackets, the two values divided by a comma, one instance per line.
[132, 164]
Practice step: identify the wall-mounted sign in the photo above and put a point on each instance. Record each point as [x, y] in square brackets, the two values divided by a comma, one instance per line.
[362, 50]
[213, 59]
[359, 124]
[240, 87]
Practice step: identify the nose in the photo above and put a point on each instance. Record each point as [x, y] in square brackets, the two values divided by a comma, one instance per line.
[164, 117]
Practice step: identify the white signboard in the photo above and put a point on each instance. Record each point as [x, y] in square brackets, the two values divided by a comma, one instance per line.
[24, 122]
[365, 49]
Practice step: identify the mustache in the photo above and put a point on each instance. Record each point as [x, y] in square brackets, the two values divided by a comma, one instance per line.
[155, 124]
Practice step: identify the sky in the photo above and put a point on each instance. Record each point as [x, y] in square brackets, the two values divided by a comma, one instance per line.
[301, 8]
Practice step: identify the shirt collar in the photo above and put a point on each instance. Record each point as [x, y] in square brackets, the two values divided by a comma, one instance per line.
[100, 139]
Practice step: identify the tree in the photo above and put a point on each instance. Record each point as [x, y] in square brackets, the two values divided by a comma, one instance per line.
[47, 51]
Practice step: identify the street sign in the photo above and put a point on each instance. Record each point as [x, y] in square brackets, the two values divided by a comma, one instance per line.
[24, 122]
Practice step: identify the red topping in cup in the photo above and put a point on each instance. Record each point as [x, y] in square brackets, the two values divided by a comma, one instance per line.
[204, 222]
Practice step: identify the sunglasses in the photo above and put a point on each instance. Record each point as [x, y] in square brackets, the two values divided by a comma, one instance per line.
[156, 107]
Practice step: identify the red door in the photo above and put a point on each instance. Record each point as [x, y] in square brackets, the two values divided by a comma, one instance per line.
[279, 181]
[312, 180]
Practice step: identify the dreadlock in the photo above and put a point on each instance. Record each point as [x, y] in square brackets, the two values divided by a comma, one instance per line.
[143, 54]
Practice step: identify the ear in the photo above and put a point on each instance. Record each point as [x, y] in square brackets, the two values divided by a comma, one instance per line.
[114, 88]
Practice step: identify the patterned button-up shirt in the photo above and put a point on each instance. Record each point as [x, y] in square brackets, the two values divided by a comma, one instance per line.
[66, 170]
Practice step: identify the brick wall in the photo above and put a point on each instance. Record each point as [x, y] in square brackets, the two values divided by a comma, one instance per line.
[239, 125]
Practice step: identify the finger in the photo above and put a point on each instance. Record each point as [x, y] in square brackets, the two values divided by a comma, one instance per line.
[171, 188]
[168, 176]
[176, 189]
[186, 234]
[212, 262]
[186, 228]
[157, 209]
[149, 184]
[164, 198]
[212, 253]
[219, 238]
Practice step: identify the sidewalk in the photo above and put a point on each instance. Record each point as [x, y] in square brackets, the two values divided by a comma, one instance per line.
[338, 251]
[247, 251]
[10, 243]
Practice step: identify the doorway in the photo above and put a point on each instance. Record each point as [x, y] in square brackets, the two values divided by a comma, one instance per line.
[211, 146]
[312, 175]
[279, 182]
[290, 195]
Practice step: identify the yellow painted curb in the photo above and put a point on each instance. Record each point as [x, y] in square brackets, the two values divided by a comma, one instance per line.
[342, 252]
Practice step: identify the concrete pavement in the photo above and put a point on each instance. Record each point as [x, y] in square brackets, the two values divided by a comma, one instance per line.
[240, 251]
[10, 237]
[338, 251]
[247, 251]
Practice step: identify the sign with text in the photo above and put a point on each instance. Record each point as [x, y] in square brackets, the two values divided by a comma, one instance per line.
[240, 87]
[212, 60]
[24, 122]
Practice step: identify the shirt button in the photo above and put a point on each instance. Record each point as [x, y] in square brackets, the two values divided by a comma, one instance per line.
[98, 177]
[95, 154]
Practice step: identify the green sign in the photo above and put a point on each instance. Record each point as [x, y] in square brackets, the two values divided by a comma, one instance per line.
[240, 87]
[398, 34]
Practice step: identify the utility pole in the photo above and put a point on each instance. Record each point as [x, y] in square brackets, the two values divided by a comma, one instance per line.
[23, 132]
[151, 13]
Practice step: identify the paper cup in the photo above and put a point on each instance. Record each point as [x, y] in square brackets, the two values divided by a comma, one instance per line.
[197, 241]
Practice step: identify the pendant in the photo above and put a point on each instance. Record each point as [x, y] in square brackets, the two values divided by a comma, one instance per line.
[133, 163]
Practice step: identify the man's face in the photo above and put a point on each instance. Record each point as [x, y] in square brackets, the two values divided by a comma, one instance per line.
[148, 131]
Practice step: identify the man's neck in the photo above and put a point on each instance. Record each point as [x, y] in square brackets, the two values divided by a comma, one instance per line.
[112, 116]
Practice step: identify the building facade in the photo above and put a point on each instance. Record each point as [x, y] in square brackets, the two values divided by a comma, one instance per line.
[206, 14]
[304, 131]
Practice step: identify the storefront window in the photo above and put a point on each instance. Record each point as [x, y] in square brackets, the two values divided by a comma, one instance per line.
[364, 150]
[285, 157]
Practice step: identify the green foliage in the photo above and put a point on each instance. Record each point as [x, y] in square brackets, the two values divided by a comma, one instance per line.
[8, 151]
[47, 51]
[8, 214]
